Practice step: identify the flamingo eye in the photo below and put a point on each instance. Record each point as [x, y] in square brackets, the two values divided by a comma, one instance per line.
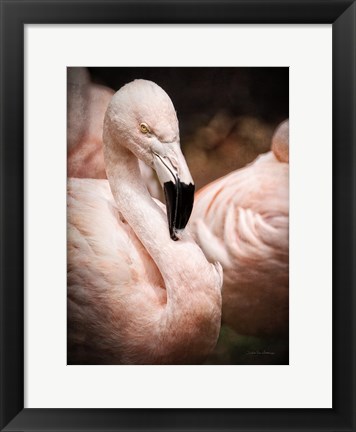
[144, 128]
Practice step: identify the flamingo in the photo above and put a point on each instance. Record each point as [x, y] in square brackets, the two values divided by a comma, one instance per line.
[242, 221]
[140, 290]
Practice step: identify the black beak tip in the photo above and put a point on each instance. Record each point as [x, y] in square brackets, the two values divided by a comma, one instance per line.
[179, 202]
[173, 236]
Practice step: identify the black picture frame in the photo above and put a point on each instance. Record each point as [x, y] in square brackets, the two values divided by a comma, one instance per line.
[14, 15]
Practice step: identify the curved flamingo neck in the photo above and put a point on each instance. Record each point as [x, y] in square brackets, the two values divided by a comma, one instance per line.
[193, 309]
[145, 217]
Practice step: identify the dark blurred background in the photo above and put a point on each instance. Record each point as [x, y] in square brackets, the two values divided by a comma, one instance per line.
[199, 93]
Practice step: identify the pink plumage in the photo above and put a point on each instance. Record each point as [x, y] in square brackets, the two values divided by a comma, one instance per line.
[242, 221]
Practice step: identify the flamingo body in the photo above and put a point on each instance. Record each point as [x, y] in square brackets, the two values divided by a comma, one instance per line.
[242, 220]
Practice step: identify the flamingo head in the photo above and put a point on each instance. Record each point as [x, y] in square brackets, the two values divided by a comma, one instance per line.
[143, 119]
[280, 142]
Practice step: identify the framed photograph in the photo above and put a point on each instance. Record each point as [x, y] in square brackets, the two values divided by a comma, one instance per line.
[177, 215]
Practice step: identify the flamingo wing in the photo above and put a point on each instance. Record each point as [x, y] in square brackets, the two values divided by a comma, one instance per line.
[108, 270]
[242, 220]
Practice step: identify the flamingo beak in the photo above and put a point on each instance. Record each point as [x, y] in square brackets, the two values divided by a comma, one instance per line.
[178, 188]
